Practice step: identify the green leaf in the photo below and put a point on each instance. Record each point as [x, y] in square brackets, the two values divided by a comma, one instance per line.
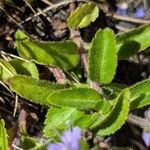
[140, 94]
[140, 88]
[25, 68]
[141, 101]
[83, 16]
[20, 36]
[132, 42]
[6, 70]
[33, 89]
[86, 120]
[56, 54]
[117, 116]
[31, 143]
[3, 136]
[57, 119]
[112, 90]
[103, 57]
[81, 98]
[84, 145]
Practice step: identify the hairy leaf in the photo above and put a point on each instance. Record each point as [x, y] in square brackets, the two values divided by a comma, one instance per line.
[3, 136]
[32, 89]
[83, 15]
[6, 70]
[25, 68]
[112, 90]
[140, 88]
[117, 116]
[56, 54]
[103, 57]
[57, 119]
[140, 94]
[81, 98]
[141, 101]
[136, 40]
[86, 120]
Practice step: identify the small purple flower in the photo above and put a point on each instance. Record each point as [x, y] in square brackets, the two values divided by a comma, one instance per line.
[140, 12]
[70, 140]
[146, 138]
[121, 11]
[146, 135]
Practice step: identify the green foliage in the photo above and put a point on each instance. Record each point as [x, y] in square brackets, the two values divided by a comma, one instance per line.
[140, 94]
[103, 57]
[57, 119]
[112, 90]
[25, 68]
[132, 42]
[33, 89]
[117, 116]
[83, 16]
[77, 103]
[141, 101]
[3, 136]
[84, 145]
[30, 143]
[81, 98]
[57, 54]
[20, 36]
[6, 70]
[86, 120]
[140, 88]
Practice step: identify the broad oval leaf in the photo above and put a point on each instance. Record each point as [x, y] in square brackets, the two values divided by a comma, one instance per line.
[117, 116]
[81, 98]
[6, 70]
[33, 89]
[83, 15]
[56, 54]
[103, 57]
[57, 119]
[132, 42]
[3, 136]
[25, 68]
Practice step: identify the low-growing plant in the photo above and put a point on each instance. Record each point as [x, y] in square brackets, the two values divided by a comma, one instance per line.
[83, 104]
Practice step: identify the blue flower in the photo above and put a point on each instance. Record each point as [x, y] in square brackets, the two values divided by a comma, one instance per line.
[146, 138]
[140, 12]
[146, 134]
[121, 11]
[70, 140]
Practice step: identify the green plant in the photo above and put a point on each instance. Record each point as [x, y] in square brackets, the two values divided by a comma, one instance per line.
[80, 103]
